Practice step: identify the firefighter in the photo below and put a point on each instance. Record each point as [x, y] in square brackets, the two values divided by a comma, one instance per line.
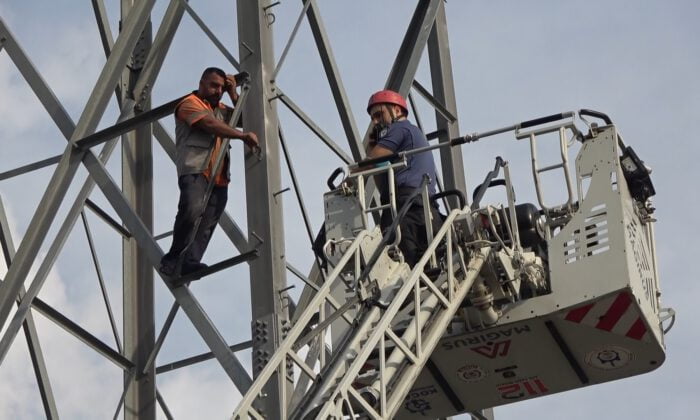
[393, 133]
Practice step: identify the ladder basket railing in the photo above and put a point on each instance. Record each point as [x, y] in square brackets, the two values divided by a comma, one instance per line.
[288, 349]
[434, 303]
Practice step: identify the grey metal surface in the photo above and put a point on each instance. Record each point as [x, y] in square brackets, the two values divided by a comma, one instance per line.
[137, 272]
[264, 207]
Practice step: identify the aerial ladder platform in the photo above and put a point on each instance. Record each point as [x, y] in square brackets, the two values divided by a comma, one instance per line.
[508, 302]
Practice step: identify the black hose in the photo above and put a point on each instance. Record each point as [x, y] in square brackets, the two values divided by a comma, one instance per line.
[481, 190]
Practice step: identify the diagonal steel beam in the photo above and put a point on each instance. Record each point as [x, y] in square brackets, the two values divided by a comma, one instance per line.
[187, 301]
[100, 280]
[434, 102]
[333, 74]
[30, 167]
[82, 334]
[51, 255]
[30, 332]
[203, 26]
[406, 63]
[68, 166]
[156, 54]
[53, 107]
[102, 20]
[314, 128]
[280, 62]
[40, 87]
[199, 358]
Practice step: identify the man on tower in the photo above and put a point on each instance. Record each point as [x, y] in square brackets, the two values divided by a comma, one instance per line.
[200, 127]
[393, 133]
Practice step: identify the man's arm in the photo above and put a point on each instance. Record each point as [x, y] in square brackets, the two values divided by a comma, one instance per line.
[230, 87]
[375, 150]
[219, 128]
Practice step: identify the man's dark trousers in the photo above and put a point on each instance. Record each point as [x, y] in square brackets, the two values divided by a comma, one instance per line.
[192, 190]
[414, 240]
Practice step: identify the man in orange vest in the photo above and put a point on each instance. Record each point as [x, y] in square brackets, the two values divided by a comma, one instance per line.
[200, 127]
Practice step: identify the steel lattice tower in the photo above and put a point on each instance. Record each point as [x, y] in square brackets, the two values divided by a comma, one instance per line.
[134, 61]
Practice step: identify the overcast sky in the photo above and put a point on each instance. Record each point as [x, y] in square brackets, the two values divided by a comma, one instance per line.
[638, 61]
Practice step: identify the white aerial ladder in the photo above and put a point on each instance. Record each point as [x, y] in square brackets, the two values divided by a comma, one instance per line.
[507, 302]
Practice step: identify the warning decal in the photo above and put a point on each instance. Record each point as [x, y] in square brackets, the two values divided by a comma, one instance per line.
[614, 314]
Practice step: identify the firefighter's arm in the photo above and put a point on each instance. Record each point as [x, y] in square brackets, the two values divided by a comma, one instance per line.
[375, 150]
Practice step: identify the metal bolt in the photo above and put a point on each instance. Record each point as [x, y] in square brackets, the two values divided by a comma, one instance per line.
[271, 5]
[280, 192]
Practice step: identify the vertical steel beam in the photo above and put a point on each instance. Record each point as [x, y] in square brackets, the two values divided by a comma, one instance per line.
[30, 333]
[444, 92]
[264, 207]
[137, 272]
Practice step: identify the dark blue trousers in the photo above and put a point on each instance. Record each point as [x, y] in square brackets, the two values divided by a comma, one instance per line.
[192, 190]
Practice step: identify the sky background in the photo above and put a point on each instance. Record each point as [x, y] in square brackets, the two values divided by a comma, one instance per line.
[637, 61]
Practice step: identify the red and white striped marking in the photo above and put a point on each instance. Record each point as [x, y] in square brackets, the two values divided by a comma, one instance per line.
[615, 313]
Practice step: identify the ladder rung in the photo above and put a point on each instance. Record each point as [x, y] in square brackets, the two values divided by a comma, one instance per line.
[549, 168]
[382, 207]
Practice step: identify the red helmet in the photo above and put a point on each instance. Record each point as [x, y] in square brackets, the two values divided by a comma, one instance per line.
[387, 97]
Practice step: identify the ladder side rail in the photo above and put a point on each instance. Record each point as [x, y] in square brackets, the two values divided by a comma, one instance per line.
[388, 316]
[314, 353]
[563, 164]
[408, 375]
[336, 369]
[389, 168]
[564, 149]
[287, 345]
[428, 217]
